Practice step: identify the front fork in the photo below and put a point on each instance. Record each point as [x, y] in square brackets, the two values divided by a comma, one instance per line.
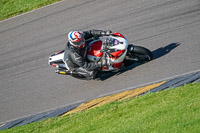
[129, 55]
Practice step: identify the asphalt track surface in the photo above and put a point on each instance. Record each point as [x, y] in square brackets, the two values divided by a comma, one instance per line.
[28, 85]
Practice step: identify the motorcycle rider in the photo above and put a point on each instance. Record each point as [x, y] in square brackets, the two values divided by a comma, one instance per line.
[76, 52]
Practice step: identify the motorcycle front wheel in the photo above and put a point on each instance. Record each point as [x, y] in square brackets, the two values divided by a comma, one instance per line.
[138, 54]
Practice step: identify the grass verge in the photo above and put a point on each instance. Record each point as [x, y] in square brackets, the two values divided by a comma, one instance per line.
[174, 110]
[9, 8]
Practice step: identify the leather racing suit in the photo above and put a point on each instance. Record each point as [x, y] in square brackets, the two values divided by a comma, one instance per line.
[76, 58]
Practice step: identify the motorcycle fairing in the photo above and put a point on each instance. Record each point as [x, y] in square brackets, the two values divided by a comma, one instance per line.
[117, 54]
[56, 60]
[118, 34]
[94, 52]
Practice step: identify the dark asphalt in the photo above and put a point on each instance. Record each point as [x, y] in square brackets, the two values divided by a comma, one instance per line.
[28, 85]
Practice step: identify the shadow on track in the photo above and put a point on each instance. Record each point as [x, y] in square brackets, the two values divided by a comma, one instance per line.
[162, 51]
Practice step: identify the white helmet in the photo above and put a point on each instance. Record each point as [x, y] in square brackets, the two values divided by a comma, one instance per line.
[76, 39]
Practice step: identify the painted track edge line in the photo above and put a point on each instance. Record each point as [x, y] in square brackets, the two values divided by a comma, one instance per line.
[167, 80]
[149, 83]
[115, 97]
[15, 122]
[4, 124]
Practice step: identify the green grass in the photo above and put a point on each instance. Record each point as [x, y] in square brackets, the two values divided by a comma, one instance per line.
[169, 111]
[9, 8]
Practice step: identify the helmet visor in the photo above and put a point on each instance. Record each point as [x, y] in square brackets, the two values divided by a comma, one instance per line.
[79, 44]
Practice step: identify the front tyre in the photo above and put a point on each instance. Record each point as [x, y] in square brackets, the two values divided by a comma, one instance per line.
[139, 54]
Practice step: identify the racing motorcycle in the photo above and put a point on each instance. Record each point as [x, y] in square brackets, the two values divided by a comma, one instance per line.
[113, 49]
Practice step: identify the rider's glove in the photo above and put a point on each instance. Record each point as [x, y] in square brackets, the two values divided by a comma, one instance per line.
[106, 33]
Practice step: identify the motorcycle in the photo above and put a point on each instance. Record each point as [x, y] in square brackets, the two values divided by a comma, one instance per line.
[113, 49]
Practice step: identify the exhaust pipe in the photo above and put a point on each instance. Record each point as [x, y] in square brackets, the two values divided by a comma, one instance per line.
[63, 72]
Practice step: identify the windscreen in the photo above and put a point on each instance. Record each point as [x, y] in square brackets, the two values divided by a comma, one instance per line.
[109, 41]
